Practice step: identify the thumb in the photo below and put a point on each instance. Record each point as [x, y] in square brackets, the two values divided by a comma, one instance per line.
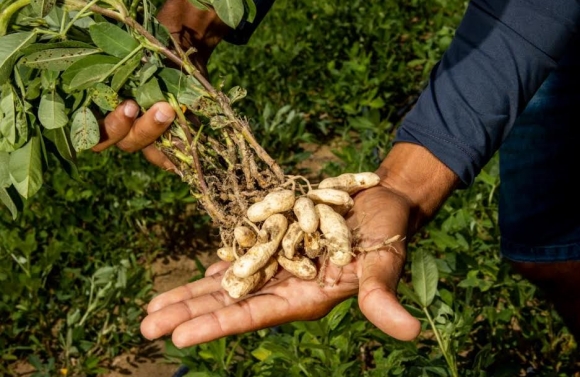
[379, 276]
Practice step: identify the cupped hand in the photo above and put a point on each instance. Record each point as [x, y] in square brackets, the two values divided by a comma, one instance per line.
[191, 27]
[123, 128]
[202, 311]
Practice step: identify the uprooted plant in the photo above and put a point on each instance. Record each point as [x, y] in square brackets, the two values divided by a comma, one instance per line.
[62, 61]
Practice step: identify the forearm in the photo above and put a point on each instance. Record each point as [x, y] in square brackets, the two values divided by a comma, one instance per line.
[502, 52]
[419, 178]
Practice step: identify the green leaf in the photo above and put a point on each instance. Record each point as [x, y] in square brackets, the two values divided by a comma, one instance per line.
[25, 167]
[236, 93]
[185, 88]
[148, 94]
[230, 12]
[57, 59]
[64, 149]
[261, 353]
[35, 47]
[48, 79]
[11, 46]
[32, 90]
[337, 314]
[251, 10]
[8, 111]
[90, 75]
[199, 4]
[42, 7]
[425, 276]
[52, 111]
[146, 72]
[124, 72]
[84, 131]
[105, 97]
[89, 61]
[4, 171]
[11, 201]
[112, 39]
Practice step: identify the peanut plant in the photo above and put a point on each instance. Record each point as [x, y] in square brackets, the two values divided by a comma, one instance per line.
[64, 61]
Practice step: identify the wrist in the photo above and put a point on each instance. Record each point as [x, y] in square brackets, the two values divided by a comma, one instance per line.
[411, 171]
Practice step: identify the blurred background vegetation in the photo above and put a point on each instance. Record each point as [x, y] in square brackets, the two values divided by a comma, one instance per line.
[75, 267]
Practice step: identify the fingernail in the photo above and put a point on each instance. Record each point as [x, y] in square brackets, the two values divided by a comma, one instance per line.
[131, 110]
[161, 117]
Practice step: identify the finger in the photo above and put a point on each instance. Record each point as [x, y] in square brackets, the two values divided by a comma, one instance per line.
[156, 157]
[148, 127]
[117, 125]
[284, 299]
[197, 288]
[217, 267]
[251, 314]
[379, 271]
[165, 320]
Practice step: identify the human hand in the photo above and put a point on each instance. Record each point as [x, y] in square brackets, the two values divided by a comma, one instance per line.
[191, 28]
[202, 311]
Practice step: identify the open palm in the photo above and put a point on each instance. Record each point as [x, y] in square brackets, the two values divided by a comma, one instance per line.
[202, 311]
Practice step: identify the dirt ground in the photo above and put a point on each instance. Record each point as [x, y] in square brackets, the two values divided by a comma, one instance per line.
[148, 360]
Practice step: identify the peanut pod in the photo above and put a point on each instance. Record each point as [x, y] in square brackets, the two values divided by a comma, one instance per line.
[301, 267]
[258, 255]
[238, 287]
[331, 197]
[351, 182]
[227, 254]
[306, 215]
[291, 239]
[275, 202]
[312, 246]
[245, 237]
[337, 236]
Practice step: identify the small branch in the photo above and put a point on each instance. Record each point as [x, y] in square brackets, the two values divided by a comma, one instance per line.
[448, 357]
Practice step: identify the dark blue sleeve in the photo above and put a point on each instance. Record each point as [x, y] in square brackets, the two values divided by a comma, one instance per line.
[241, 35]
[501, 53]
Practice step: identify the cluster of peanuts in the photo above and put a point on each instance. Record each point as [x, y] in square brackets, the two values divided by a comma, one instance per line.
[289, 230]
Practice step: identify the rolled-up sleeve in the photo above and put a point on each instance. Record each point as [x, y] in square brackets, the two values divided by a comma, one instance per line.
[501, 53]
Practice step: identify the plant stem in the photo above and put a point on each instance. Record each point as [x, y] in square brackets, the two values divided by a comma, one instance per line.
[123, 61]
[79, 14]
[7, 14]
[190, 69]
[448, 358]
